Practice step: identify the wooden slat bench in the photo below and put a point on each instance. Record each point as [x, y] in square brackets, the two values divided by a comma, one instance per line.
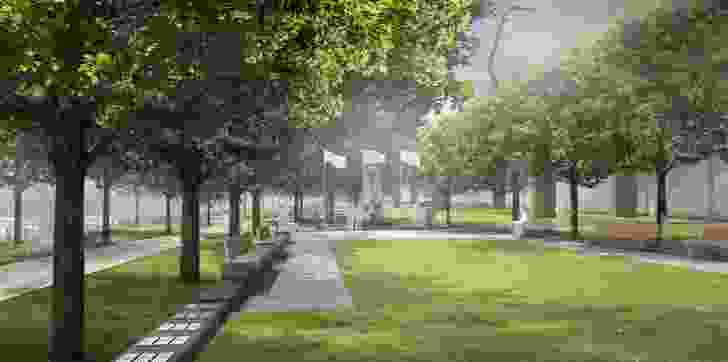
[627, 231]
[632, 232]
[715, 232]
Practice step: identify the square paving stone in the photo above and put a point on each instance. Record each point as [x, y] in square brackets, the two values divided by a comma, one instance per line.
[148, 341]
[128, 357]
[163, 357]
[164, 340]
[146, 357]
[180, 340]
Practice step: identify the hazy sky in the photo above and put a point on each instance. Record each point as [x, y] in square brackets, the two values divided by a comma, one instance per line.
[538, 38]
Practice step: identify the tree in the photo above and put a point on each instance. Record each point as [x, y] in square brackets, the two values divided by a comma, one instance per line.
[163, 179]
[133, 184]
[106, 172]
[28, 166]
[503, 14]
[578, 139]
[198, 151]
[680, 81]
[74, 78]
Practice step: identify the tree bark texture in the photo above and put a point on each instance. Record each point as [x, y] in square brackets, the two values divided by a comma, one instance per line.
[18, 214]
[255, 214]
[168, 213]
[234, 192]
[574, 198]
[106, 207]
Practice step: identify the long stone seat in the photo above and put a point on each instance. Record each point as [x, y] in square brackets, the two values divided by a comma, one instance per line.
[242, 267]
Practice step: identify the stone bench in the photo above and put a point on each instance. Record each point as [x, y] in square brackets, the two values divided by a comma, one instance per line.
[265, 254]
[92, 238]
[713, 245]
[707, 249]
[340, 216]
[182, 336]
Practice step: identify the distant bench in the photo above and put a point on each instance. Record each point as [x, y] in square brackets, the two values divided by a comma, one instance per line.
[710, 246]
[628, 231]
[715, 232]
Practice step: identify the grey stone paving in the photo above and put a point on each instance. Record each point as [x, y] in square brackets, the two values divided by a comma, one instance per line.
[309, 280]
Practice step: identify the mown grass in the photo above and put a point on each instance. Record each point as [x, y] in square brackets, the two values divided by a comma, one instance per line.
[123, 302]
[593, 223]
[11, 253]
[503, 301]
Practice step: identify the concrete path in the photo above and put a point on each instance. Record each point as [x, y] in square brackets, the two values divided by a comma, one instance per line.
[22, 277]
[309, 280]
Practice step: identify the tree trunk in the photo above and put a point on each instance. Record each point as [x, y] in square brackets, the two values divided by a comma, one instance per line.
[168, 212]
[255, 216]
[448, 200]
[300, 205]
[234, 213]
[661, 204]
[413, 187]
[209, 208]
[67, 311]
[106, 207]
[574, 197]
[501, 178]
[297, 206]
[18, 214]
[625, 195]
[244, 203]
[190, 257]
[516, 202]
[711, 164]
[136, 203]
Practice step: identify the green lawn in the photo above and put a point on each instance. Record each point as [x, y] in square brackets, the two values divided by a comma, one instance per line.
[406, 215]
[499, 301]
[121, 303]
[126, 232]
[593, 224]
[141, 232]
[11, 254]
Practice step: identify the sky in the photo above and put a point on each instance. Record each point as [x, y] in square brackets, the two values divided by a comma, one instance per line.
[539, 38]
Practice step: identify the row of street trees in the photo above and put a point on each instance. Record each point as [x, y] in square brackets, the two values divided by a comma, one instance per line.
[647, 97]
[160, 82]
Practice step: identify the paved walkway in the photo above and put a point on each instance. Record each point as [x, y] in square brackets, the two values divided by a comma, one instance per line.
[22, 277]
[309, 280]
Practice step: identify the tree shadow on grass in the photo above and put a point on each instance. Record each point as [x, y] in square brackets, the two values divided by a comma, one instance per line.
[505, 320]
[119, 308]
[122, 303]
[425, 319]
[506, 324]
